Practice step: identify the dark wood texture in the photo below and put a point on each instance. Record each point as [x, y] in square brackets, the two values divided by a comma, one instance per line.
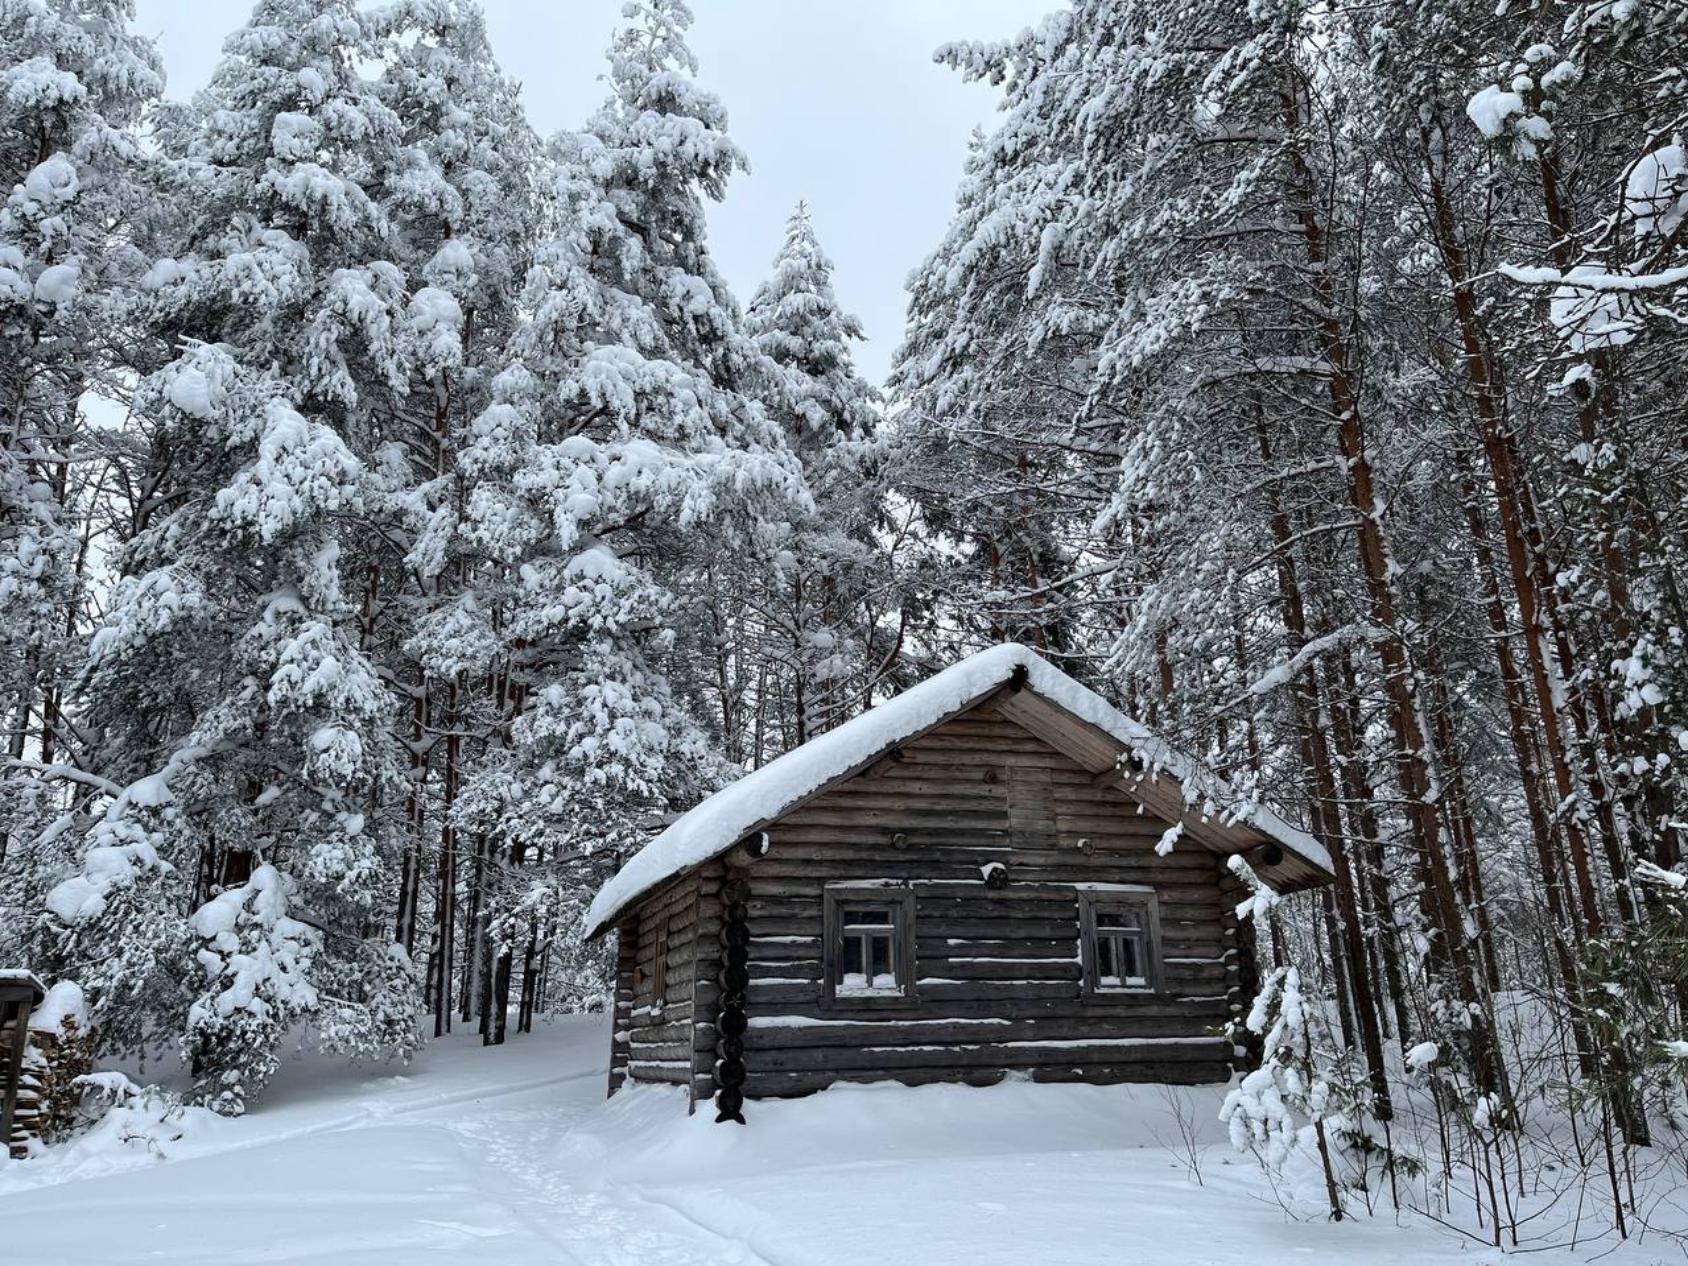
[999, 972]
[621, 1019]
[658, 1027]
[998, 959]
[18, 997]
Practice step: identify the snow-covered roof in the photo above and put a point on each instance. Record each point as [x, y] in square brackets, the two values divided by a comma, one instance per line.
[22, 976]
[753, 801]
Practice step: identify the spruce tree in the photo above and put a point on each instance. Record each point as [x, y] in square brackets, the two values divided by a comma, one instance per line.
[818, 598]
[230, 679]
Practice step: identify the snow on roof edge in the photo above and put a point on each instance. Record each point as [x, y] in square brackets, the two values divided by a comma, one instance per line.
[721, 820]
[21, 976]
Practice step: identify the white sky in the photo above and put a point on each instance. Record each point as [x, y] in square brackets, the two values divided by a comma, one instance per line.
[836, 101]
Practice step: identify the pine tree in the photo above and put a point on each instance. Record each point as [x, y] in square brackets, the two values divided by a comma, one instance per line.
[625, 447]
[1365, 478]
[76, 84]
[797, 323]
[229, 677]
[258, 964]
[464, 210]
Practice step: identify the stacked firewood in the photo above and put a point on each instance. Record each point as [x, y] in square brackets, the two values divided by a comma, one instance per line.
[60, 1051]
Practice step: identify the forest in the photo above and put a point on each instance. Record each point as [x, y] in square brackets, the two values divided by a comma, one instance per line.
[400, 519]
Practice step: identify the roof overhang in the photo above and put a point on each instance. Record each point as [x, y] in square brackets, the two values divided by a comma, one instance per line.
[1033, 693]
[1270, 854]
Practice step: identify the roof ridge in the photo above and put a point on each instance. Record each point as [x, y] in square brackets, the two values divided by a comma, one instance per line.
[752, 801]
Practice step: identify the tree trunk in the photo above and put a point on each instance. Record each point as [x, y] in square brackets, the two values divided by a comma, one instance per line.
[1413, 755]
[1326, 823]
[445, 920]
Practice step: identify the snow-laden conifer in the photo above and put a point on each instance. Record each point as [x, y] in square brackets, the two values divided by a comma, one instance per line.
[818, 593]
[230, 669]
[75, 83]
[626, 446]
[464, 214]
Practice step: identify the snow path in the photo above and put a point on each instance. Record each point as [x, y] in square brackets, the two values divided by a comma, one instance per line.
[511, 1157]
[586, 1224]
[413, 1168]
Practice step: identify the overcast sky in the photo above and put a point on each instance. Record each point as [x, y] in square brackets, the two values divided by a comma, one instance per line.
[836, 101]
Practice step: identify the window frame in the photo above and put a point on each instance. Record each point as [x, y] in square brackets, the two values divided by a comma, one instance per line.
[659, 968]
[1147, 903]
[898, 900]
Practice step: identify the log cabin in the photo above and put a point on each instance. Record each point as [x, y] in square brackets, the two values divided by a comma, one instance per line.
[994, 872]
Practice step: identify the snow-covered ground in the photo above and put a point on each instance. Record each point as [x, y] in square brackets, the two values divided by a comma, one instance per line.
[511, 1155]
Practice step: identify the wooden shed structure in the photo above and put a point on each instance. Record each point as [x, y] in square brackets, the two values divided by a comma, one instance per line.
[994, 872]
[20, 991]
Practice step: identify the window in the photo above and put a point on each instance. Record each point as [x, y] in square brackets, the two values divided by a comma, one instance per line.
[1122, 949]
[868, 952]
[869, 945]
[659, 969]
[1120, 930]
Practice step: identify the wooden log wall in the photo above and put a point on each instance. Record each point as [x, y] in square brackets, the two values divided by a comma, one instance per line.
[997, 971]
[17, 1081]
[621, 1024]
[677, 1044]
[1244, 981]
[657, 1032]
[707, 993]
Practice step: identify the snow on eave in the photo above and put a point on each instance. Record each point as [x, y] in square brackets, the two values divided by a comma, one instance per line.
[753, 801]
[23, 976]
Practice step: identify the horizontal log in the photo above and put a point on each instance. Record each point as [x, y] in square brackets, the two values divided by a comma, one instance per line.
[939, 765]
[1002, 969]
[677, 1004]
[785, 952]
[945, 994]
[1034, 1021]
[929, 948]
[776, 973]
[927, 825]
[790, 877]
[976, 740]
[849, 819]
[645, 1052]
[960, 864]
[904, 818]
[768, 995]
[938, 988]
[1083, 821]
[982, 718]
[678, 953]
[932, 794]
[1105, 864]
[957, 753]
[985, 782]
[937, 901]
[663, 1074]
[773, 1085]
[668, 1029]
[1169, 1050]
[669, 903]
[945, 926]
[963, 926]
